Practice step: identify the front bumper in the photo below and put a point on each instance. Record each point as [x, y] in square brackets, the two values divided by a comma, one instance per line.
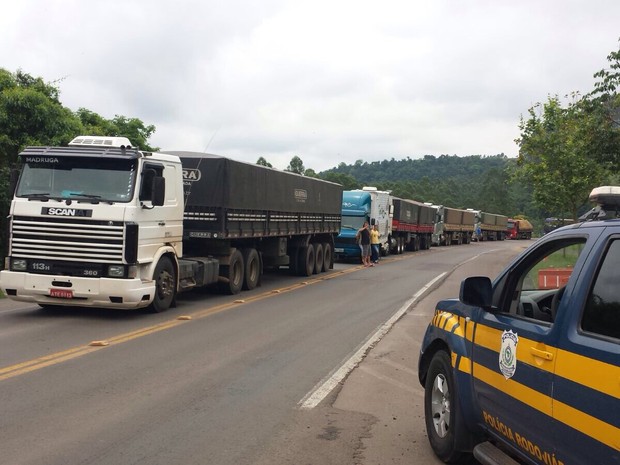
[86, 292]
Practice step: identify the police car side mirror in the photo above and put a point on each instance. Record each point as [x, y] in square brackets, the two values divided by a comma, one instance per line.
[477, 291]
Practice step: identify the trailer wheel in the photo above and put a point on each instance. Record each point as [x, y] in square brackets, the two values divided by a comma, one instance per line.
[293, 261]
[165, 285]
[252, 267]
[442, 413]
[318, 258]
[234, 274]
[306, 260]
[327, 256]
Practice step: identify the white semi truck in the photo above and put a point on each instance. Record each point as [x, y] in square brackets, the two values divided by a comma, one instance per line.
[99, 223]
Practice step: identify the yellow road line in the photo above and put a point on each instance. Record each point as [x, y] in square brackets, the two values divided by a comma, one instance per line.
[75, 352]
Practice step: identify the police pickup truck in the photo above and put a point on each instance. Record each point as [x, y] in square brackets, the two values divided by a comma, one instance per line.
[526, 369]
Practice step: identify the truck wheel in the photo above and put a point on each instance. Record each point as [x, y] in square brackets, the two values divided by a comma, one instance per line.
[444, 424]
[165, 285]
[251, 261]
[318, 258]
[293, 263]
[234, 274]
[327, 256]
[305, 265]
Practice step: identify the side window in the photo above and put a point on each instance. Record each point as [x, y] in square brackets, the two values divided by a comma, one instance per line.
[536, 286]
[148, 173]
[602, 312]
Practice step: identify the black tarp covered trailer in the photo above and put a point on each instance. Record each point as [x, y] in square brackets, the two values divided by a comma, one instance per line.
[227, 199]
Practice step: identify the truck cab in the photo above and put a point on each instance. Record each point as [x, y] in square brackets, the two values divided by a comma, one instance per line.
[90, 222]
[360, 205]
[526, 367]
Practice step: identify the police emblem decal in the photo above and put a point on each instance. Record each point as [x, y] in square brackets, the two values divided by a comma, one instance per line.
[508, 354]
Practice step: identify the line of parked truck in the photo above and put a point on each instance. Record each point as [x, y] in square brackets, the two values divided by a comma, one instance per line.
[410, 225]
[101, 223]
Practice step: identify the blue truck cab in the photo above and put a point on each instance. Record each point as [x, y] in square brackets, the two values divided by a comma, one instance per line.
[526, 368]
[355, 210]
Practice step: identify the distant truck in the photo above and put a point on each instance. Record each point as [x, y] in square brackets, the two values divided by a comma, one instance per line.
[523, 369]
[518, 229]
[553, 223]
[99, 223]
[403, 224]
[412, 225]
[360, 205]
[453, 226]
[489, 226]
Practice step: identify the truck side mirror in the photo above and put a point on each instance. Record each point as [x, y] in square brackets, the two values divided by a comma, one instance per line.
[158, 192]
[477, 291]
[13, 178]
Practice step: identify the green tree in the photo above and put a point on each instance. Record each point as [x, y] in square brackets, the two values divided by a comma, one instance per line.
[261, 161]
[296, 165]
[554, 156]
[132, 128]
[31, 114]
[603, 105]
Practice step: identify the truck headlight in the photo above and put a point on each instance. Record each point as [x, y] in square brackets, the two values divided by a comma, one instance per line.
[19, 264]
[116, 271]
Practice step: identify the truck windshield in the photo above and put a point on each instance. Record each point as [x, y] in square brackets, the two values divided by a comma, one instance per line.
[91, 179]
[353, 222]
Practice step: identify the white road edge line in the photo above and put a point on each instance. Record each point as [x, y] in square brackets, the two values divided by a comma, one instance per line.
[326, 385]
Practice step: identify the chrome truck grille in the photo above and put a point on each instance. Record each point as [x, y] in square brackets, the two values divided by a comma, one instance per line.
[67, 239]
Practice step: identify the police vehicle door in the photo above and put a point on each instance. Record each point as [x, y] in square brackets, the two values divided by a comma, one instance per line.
[586, 394]
[515, 347]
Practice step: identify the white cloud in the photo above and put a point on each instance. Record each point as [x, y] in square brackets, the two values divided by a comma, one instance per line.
[329, 81]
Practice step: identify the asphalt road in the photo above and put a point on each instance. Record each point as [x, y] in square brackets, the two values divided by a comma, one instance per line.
[226, 380]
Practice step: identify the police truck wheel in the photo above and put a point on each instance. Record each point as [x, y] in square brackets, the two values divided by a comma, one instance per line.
[165, 285]
[252, 269]
[318, 258]
[444, 423]
[327, 256]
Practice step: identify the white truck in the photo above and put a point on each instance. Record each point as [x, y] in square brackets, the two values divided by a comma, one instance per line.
[99, 223]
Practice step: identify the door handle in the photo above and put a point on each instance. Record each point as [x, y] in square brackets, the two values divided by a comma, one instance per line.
[162, 223]
[541, 353]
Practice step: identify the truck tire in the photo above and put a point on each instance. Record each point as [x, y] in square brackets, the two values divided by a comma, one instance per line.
[251, 262]
[233, 273]
[444, 423]
[327, 256]
[318, 258]
[165, 285]
[305, 264]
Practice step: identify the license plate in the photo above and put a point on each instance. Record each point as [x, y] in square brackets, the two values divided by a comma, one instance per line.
[61, 293]
[338, 249]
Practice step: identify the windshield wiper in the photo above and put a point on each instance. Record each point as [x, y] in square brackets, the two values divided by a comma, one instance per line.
[94, 197]
[38, 196]
[346, 226]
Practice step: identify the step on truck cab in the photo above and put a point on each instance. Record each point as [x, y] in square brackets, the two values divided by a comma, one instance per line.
[526, 367]
[101, 223]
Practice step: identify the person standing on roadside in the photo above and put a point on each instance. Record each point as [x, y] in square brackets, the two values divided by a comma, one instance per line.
[374, 244]
[364, 240]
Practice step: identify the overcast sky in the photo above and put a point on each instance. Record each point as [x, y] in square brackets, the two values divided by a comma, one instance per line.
[329, 81]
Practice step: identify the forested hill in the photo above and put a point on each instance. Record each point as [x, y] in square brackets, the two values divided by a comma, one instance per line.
[479, 182]
[444, 166]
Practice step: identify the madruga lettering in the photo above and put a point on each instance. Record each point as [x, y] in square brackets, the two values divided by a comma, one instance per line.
[191, 174]
[41, 160]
